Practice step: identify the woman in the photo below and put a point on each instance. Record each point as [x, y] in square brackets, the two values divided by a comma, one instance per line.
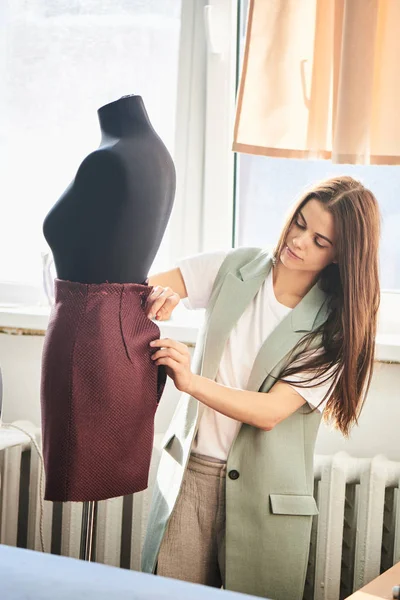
[288, 336]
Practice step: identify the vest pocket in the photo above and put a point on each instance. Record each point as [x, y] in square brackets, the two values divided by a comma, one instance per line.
[289, 504]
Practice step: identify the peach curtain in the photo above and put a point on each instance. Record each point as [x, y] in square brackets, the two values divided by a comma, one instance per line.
[321, 79]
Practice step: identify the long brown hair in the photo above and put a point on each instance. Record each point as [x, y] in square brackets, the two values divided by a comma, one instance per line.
[346, 340]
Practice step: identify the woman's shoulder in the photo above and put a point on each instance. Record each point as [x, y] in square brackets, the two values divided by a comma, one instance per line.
[245, 254]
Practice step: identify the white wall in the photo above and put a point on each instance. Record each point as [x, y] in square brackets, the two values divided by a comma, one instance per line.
[377, 433]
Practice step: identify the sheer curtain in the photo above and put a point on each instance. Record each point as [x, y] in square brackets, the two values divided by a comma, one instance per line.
[320, 79]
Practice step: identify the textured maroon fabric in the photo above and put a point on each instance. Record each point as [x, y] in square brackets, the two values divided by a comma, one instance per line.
[99, 391]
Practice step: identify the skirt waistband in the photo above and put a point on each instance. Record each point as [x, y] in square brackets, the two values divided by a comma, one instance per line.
[66, 285]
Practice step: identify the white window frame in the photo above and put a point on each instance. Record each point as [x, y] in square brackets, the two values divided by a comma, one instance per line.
[204, 219]
[218, 211]
[186, 217]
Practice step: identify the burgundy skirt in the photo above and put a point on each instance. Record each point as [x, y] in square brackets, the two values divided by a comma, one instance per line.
[99, 391]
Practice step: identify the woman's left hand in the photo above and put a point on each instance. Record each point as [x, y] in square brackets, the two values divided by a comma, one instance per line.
[176, 358]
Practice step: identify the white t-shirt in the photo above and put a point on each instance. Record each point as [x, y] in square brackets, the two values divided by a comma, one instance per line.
[217, 432]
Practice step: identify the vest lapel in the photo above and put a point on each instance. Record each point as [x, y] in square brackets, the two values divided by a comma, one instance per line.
[235, 295]
[310, 311]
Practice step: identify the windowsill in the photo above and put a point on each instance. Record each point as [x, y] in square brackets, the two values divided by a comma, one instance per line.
[183, 326]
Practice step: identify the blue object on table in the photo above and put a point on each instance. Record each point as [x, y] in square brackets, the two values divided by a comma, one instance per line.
[29, 575]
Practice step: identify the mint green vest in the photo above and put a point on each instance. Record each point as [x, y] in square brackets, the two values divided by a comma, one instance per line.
[269, 507]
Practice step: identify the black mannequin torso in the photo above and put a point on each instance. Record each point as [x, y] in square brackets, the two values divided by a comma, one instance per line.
[109, 223]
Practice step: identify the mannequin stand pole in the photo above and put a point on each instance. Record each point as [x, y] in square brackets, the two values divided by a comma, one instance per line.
[89, 518]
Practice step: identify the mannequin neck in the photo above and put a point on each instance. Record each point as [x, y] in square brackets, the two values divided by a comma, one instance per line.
[124, 117]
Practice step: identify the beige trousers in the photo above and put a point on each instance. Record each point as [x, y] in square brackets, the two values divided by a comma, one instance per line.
[193, 547]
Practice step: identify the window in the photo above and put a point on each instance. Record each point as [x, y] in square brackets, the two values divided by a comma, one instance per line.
[61, 61]
[267, 186]
[263, 188]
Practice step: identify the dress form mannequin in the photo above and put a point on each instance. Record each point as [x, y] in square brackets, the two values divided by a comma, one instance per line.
[104, 233]
[109, 223]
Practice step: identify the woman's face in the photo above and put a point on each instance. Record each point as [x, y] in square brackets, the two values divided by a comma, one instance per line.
[311, 238]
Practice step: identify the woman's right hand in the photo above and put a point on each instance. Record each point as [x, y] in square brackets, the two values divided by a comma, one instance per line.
[161, 302]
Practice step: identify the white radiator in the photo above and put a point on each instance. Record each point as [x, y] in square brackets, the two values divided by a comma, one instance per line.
[355, 537]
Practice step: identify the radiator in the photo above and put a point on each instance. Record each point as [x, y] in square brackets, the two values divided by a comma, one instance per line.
[355, 536]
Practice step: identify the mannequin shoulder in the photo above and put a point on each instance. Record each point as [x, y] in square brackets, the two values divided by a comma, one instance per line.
[99, 163]
[100, 173]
